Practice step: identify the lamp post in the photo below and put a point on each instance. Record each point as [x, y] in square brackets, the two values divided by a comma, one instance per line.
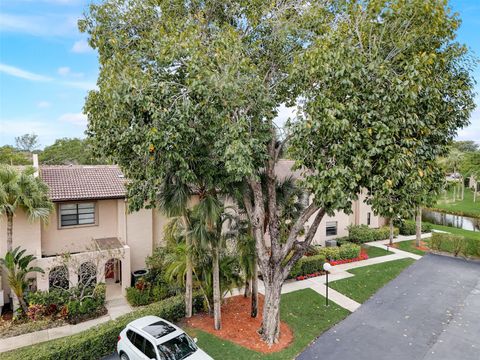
[327, 267]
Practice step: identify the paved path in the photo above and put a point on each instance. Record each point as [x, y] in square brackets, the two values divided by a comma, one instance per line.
[431, 311]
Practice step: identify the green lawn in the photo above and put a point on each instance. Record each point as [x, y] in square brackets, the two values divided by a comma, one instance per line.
[369, 279]
[461, 207]
[304, 311]
[409, 246]
[373, 251]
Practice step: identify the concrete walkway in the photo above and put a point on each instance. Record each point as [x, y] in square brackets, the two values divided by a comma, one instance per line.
[116, 305]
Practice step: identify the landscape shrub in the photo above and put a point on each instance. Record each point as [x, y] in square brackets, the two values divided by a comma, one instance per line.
[68, 304]
[455, 244]
[101, 340]
[408, 227]
[360, 234]
[307, 265]
[138, 297]
[346, 251]
[144, 295]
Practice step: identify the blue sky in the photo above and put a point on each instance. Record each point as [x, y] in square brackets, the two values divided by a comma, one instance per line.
[46, 68]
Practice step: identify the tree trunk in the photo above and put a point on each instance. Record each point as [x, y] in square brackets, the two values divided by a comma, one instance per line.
[9, 231]
[271, 309]
[217, 317]
[475, 193]
[254, 310]
[189, 282]
[22, 303]
[247, 292]
[454, 192]
[391, 232]
[418, 226]
[463, 188]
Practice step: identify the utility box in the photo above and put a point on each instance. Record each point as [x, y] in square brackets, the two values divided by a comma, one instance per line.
[330, 243]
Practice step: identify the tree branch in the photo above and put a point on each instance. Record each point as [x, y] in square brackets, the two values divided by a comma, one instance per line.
[297, 227]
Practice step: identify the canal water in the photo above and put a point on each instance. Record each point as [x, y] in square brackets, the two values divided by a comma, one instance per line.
[461, 222]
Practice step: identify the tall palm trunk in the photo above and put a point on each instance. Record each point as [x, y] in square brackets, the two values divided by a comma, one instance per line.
[418, 226]
[189, 274]
[217, 316]
[9, 231]
[463, 188]
[188, 281]
[391, 232]
[248, 288]
[254, 310]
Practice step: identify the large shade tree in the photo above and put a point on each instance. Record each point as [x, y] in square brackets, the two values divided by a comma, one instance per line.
[193, 88]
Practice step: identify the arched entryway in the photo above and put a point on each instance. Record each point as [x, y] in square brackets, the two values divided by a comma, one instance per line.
[113, 278]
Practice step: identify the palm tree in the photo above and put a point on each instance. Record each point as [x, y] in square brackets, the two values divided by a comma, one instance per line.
[173, 199]
[18, 266]
[210, 216]
[454, 160]
[21, 190]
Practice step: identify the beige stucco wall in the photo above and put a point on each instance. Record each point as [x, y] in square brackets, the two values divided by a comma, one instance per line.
[140, 237]
[159, 220]
[26, 234]
[56, 240]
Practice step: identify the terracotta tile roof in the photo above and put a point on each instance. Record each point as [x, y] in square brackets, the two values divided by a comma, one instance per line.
[82, 182]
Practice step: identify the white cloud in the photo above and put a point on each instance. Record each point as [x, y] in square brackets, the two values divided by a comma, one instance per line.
[10, 128]
[74, 118]
[61, 25]
[17, 72]
[64, 70]
[81, 46]
[43, 104]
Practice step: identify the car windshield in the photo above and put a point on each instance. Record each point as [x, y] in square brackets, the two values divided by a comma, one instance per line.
[177, 348]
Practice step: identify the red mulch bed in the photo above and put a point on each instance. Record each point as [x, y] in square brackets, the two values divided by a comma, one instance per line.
[239, 327]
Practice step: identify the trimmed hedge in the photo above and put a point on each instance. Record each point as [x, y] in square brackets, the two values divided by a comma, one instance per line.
[360, 234]
[409, 227]
[344, 252]
[307, 265]
[101, 340]
[455, 244]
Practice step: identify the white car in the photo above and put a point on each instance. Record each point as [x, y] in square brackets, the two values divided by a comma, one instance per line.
[151, 337]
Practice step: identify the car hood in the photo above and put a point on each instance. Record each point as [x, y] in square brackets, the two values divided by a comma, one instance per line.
[199, 355]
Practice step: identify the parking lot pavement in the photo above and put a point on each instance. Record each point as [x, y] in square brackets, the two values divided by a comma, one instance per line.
[431, 311]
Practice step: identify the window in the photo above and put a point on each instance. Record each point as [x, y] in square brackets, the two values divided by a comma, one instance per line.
[177, 348]
[142, 344]
[368, 218]
[138, 341]
[58, 278]
[87, 275]
[331, 228]
[77, 214]
[149, 350]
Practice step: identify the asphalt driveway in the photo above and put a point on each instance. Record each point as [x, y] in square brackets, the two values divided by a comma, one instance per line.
[431, 311]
